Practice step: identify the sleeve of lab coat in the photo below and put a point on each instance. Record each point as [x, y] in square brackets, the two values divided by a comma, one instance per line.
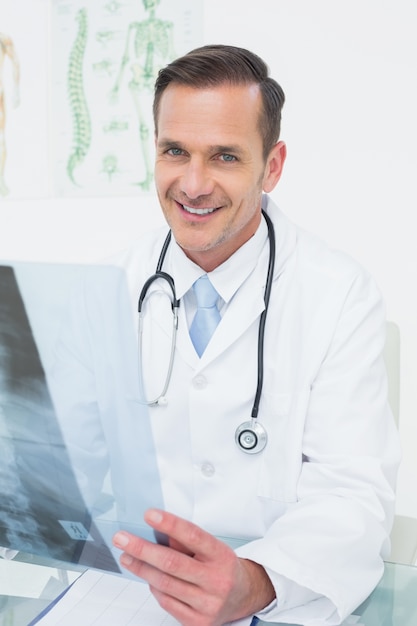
[325, 554]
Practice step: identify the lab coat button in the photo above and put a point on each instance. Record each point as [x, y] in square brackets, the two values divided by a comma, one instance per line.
[208, 470]
[200, 382]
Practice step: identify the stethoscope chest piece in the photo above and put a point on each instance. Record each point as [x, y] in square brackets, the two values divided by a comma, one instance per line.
[251, 437]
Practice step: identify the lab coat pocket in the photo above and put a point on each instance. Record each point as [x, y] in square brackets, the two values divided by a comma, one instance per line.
[278, 458]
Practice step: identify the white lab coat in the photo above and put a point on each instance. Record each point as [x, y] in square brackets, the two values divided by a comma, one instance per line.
[316, 506]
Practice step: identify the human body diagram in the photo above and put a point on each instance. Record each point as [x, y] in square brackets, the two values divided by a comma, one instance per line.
[149, 46]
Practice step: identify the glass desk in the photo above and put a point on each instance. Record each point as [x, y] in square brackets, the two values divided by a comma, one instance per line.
[32, 583]
[28, 584]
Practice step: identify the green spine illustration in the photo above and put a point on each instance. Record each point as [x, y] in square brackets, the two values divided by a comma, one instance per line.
[80, 113]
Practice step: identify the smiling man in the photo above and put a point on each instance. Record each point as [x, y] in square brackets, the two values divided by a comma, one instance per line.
[210, 177]
[275, 444]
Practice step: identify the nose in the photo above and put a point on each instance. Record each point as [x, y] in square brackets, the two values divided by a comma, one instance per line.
[196, 179]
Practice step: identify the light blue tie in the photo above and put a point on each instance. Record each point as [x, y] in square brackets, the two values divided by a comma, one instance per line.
[207, 315]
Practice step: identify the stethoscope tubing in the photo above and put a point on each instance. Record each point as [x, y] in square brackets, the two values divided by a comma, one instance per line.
[250, 436]
[262, 321]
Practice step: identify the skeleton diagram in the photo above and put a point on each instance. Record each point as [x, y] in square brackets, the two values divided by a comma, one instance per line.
[7, 50]
[149, 42]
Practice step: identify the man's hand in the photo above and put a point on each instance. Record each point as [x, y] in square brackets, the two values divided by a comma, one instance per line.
[198, 579]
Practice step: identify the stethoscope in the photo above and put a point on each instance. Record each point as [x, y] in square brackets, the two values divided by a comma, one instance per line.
[250, 437]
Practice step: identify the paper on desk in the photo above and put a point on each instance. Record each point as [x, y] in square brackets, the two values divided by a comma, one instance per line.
[99, 598]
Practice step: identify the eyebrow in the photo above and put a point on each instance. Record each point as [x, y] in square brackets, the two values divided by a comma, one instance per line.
[228, 149]
[168, 143]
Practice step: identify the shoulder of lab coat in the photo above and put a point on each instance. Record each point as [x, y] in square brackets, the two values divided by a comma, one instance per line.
[140, 258]
[325, 554]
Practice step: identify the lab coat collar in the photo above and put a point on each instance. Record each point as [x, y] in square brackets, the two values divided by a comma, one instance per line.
[228, 277]
[240, 281]
[247, 302]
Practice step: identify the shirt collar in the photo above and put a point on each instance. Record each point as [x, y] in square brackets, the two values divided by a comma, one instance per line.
[229, 276]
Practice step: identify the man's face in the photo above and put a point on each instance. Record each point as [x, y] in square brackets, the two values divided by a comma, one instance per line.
[210, 171]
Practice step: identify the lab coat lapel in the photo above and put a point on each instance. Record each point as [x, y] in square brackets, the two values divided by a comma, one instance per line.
[184, 344]
[161, 326]
[245, 307]
[248, 303]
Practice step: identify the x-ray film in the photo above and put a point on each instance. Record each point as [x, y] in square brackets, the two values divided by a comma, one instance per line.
[72, 471]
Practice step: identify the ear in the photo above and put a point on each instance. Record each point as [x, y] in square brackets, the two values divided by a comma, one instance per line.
[274, 166]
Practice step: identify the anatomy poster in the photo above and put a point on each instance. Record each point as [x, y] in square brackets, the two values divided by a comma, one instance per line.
[106, 55]
[24, 99]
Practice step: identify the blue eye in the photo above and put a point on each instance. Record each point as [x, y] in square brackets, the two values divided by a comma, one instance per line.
[228, 157]
[175, 151]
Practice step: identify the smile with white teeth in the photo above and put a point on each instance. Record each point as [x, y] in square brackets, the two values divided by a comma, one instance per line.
[191, 209]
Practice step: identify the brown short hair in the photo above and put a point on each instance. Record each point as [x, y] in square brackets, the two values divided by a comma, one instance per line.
[213, 65]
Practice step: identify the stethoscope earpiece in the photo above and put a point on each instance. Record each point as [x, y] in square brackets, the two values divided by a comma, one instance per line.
[251, 437]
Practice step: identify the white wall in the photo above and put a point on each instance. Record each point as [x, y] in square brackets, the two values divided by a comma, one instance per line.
[349, 72]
